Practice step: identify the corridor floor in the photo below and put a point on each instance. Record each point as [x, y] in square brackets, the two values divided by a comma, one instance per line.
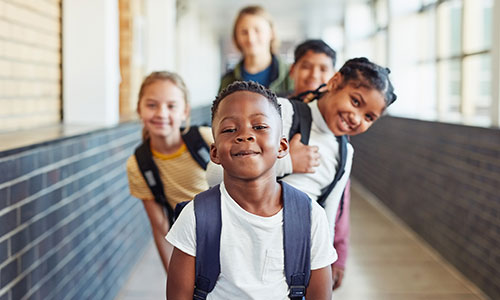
[386, 262]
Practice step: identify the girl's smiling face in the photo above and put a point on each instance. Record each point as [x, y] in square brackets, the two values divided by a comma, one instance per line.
[162, 108]
[350, 108]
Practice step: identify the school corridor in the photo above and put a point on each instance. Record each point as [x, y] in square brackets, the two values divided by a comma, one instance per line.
[387, 261]
[425, 221]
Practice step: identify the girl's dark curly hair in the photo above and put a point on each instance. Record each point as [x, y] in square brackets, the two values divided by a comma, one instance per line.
[248, 86]
[365, 73]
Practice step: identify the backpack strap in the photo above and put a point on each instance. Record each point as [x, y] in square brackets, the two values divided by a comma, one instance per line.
[207, 210]
[296, 240]
[151, 174]
[316, 93]
[301, 121]
[342, 140]
[197, 146]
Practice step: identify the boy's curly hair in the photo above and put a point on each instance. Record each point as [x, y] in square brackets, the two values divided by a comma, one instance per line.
[248, 86]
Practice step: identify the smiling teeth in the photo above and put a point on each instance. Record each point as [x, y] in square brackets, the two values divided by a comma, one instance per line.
[345, 124]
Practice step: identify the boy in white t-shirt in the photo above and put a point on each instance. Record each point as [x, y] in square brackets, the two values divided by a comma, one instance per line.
[247, 128]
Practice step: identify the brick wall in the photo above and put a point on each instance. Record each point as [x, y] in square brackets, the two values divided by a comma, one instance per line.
[68, 227]
[30, 63]
[443, 180]
[131, 70]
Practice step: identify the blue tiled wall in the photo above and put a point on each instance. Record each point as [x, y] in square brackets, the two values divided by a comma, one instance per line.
[68, 227]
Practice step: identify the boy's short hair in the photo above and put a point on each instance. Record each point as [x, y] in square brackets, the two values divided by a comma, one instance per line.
[247, 86]
[316, 46]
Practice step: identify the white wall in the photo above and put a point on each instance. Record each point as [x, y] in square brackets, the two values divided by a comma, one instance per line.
[91, 74]
[198, 56]
[160, 35]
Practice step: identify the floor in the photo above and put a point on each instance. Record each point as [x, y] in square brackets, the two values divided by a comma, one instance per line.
[387, 262]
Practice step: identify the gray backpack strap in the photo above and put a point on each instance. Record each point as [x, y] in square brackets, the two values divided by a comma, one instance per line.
[207, 210]
[296, 240]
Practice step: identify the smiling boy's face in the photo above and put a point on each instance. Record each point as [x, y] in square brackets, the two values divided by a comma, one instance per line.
[247, 134]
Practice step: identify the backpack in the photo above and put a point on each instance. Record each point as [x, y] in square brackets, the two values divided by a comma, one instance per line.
[296, 240]
[301, 123]
[198, 149]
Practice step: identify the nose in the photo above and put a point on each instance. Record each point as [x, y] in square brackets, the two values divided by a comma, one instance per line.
[315, 73]
[245, 136]
[162, 111]
[251, 36]
[354, 119]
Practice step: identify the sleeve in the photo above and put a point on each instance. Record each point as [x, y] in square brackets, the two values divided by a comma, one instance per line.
[182, 235]
[342, 229]
[333, 200]
[137, 185]
[214, 174]
[284, 165]
[322, 252]
[206, 134]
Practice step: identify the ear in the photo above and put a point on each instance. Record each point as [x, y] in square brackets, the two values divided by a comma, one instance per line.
[214, 155]
[187, 111]
[283, 150]
[334, 82]
[292, 69]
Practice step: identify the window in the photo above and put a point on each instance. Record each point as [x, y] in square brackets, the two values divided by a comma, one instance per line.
[440, 54]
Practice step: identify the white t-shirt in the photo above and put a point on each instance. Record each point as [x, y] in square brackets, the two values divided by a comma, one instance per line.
[251, 255]
[309, 183]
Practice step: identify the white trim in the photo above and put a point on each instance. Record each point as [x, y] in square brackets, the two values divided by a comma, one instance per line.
[495, 66]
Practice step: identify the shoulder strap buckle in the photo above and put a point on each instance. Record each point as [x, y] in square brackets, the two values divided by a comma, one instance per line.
[297, 291]
[199, 294]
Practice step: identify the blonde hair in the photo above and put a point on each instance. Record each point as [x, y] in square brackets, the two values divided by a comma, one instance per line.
[168, 76]
[256, 10]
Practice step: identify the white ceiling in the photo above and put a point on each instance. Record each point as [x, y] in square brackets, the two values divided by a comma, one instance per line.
[294, 19]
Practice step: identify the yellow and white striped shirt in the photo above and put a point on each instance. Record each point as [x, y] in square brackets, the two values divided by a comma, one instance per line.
[181, 175]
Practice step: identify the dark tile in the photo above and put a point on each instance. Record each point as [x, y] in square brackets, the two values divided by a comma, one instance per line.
[36, 184]
[20, 289]
[19, 240]
[4, 197]
[8, 273]
[28, 258]
[53, 177]
[27, 163]
[3, 251]
[19, 191]
[38, 228]
[44, 157]
[9, 170]
[8, 222]
[57, 153]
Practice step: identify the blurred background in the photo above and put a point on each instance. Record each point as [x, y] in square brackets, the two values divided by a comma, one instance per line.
[70, 71]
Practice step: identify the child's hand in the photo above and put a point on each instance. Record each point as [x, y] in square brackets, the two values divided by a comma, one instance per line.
[337, 276]
[304, 158]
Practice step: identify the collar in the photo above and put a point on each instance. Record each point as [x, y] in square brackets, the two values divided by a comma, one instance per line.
[318, 119]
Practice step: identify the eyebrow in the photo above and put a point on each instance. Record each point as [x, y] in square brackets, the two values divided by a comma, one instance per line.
[234, 117]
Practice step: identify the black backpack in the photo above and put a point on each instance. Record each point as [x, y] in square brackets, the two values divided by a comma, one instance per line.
[296, 240]
[198, 149]
[301, 123]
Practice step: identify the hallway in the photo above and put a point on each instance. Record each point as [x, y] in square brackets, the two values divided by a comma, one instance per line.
[386, 262]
